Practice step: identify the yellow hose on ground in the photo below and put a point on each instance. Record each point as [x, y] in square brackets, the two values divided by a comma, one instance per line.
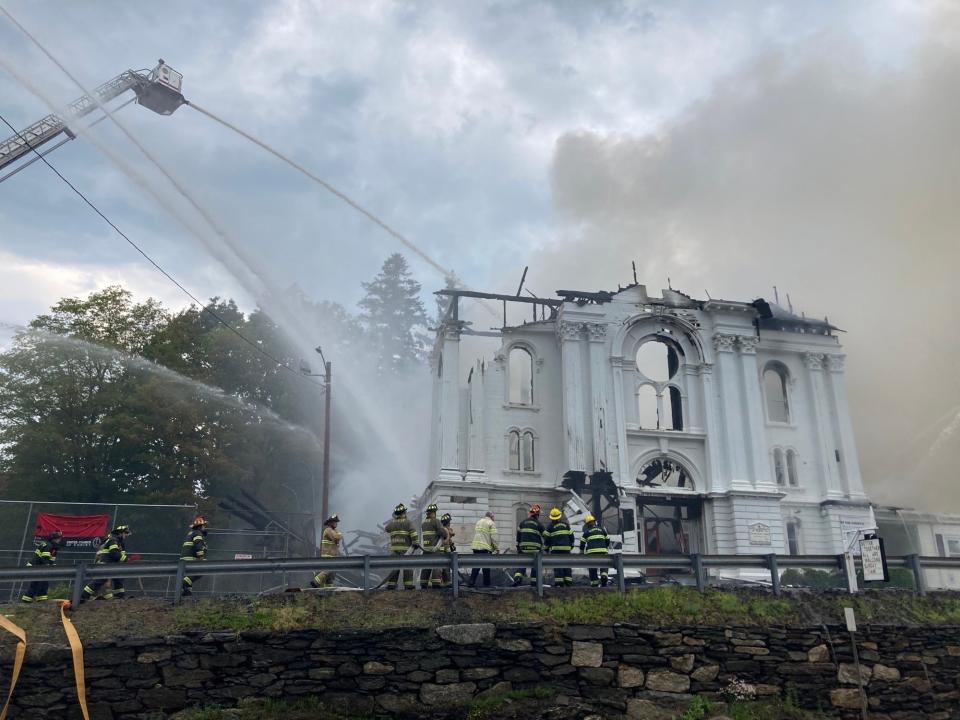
[76, 648]
[21, 635]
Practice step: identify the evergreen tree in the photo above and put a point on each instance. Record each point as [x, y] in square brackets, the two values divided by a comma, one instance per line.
[394, 316]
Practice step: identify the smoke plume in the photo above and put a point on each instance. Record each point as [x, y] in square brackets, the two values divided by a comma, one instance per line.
[835, 178]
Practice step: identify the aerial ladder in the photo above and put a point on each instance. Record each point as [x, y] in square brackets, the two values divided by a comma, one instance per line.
[157, 89]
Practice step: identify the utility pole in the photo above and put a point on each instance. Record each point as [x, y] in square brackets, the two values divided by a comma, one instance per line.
[327, 379]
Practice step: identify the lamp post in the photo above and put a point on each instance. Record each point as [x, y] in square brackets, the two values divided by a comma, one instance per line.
[327, 386]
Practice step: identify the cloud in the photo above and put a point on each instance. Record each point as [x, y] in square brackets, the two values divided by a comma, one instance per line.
[828, 174]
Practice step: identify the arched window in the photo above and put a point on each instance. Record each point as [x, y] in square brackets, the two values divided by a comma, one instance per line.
[647, 407]
[793, 537]
[521, 376]
[527, 451]
[513, 440]
[660, 405]
[778, 468]
[792, 468]
[775, 389]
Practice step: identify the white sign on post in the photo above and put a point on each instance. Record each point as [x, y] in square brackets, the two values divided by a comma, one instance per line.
[849, 526]
[874, 560]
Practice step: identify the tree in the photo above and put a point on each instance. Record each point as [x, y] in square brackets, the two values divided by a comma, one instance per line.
[394, 316]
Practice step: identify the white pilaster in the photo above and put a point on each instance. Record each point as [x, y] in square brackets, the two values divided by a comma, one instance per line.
[849, 461]
[733, 427]
[826, 462]
[450, 404]
[602, 452]
[756, 434]
[574, 437]
[717, 472]
[622, 474]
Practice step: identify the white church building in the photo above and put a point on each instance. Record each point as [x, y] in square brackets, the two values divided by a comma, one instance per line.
[691, 426]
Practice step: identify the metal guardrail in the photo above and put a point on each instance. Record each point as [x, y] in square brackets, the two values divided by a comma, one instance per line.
[697, 565]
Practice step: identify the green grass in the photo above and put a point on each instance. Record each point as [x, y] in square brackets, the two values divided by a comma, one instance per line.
[482, 708]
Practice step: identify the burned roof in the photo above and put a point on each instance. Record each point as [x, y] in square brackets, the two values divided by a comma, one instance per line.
[775, 317]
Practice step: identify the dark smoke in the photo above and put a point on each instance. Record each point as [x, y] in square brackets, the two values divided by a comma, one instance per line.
[833, 178]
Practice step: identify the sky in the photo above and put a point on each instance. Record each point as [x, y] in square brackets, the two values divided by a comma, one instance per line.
[729, 146]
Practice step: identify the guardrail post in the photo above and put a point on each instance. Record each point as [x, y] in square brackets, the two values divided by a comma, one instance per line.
[697, 562]
[621, 579]
[774, 573]
[913, 561]
[366, 573]
[538, 568]
[79, 580]
[455, 573]
[178, 583]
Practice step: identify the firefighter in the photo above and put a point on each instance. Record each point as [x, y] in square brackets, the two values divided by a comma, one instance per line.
[432, 534]
[447, 546]
[113, 550]
[595, 541]
[558, 538]
[194, 549]
[403, 536]
[329, 547]
[45, 554]
[484, 543]
[529, 542]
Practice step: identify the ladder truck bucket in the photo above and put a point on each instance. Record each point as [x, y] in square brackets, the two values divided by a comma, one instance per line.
[161, 91]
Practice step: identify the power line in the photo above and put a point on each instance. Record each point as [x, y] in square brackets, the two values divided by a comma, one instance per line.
[203, 306]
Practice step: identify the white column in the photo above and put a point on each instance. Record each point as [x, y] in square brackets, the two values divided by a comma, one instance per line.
[849, 461]
[718, 477]
[756, 434]
[602, 451]
[819, 402]
[574, 439]
[732, 412]
[435, 418]
[692, 410]
[619, 429]
[450, 404]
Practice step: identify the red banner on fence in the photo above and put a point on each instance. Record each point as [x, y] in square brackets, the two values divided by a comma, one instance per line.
[79, 531]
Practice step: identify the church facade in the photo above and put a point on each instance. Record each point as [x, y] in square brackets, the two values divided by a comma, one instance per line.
[690, 426]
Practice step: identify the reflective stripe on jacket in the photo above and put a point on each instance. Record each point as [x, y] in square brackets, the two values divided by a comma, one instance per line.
[485, 535]
[112, 551]
[194, 547]
[559, 537]
[530, 536]
[45, 554]
[432, 532]
[402, 534]
[330, 544]
[594, 540]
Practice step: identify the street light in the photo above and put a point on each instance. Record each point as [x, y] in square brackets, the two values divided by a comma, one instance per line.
[327, 380]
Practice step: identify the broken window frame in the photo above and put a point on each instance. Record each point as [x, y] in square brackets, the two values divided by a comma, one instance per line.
[776, 408]
[793, 479]
[512, 369]
[528, 451]
[513, 450]
[794, 544]
[779, 467]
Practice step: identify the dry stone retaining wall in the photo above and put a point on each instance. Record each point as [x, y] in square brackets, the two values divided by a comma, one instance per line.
[617, 669]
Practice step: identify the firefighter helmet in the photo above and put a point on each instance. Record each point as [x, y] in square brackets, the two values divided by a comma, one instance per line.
[445, 519]
[121, 529]
[555, 514]
[55, 535]
[332, 519]
[198, 521]
[589, 518]
[399, 510]
[432, 508]
[534, 509]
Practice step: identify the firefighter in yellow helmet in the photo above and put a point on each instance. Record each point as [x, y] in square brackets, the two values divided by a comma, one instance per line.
[194, 549]
[403, 536]
[329, 547]
[595, 541]
[529, 542]
[447, 546]
[558, 538]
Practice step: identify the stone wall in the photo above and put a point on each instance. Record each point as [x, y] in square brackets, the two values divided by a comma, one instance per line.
[616, 670]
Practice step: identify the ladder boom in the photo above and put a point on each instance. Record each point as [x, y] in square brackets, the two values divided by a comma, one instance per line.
[157, 89]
